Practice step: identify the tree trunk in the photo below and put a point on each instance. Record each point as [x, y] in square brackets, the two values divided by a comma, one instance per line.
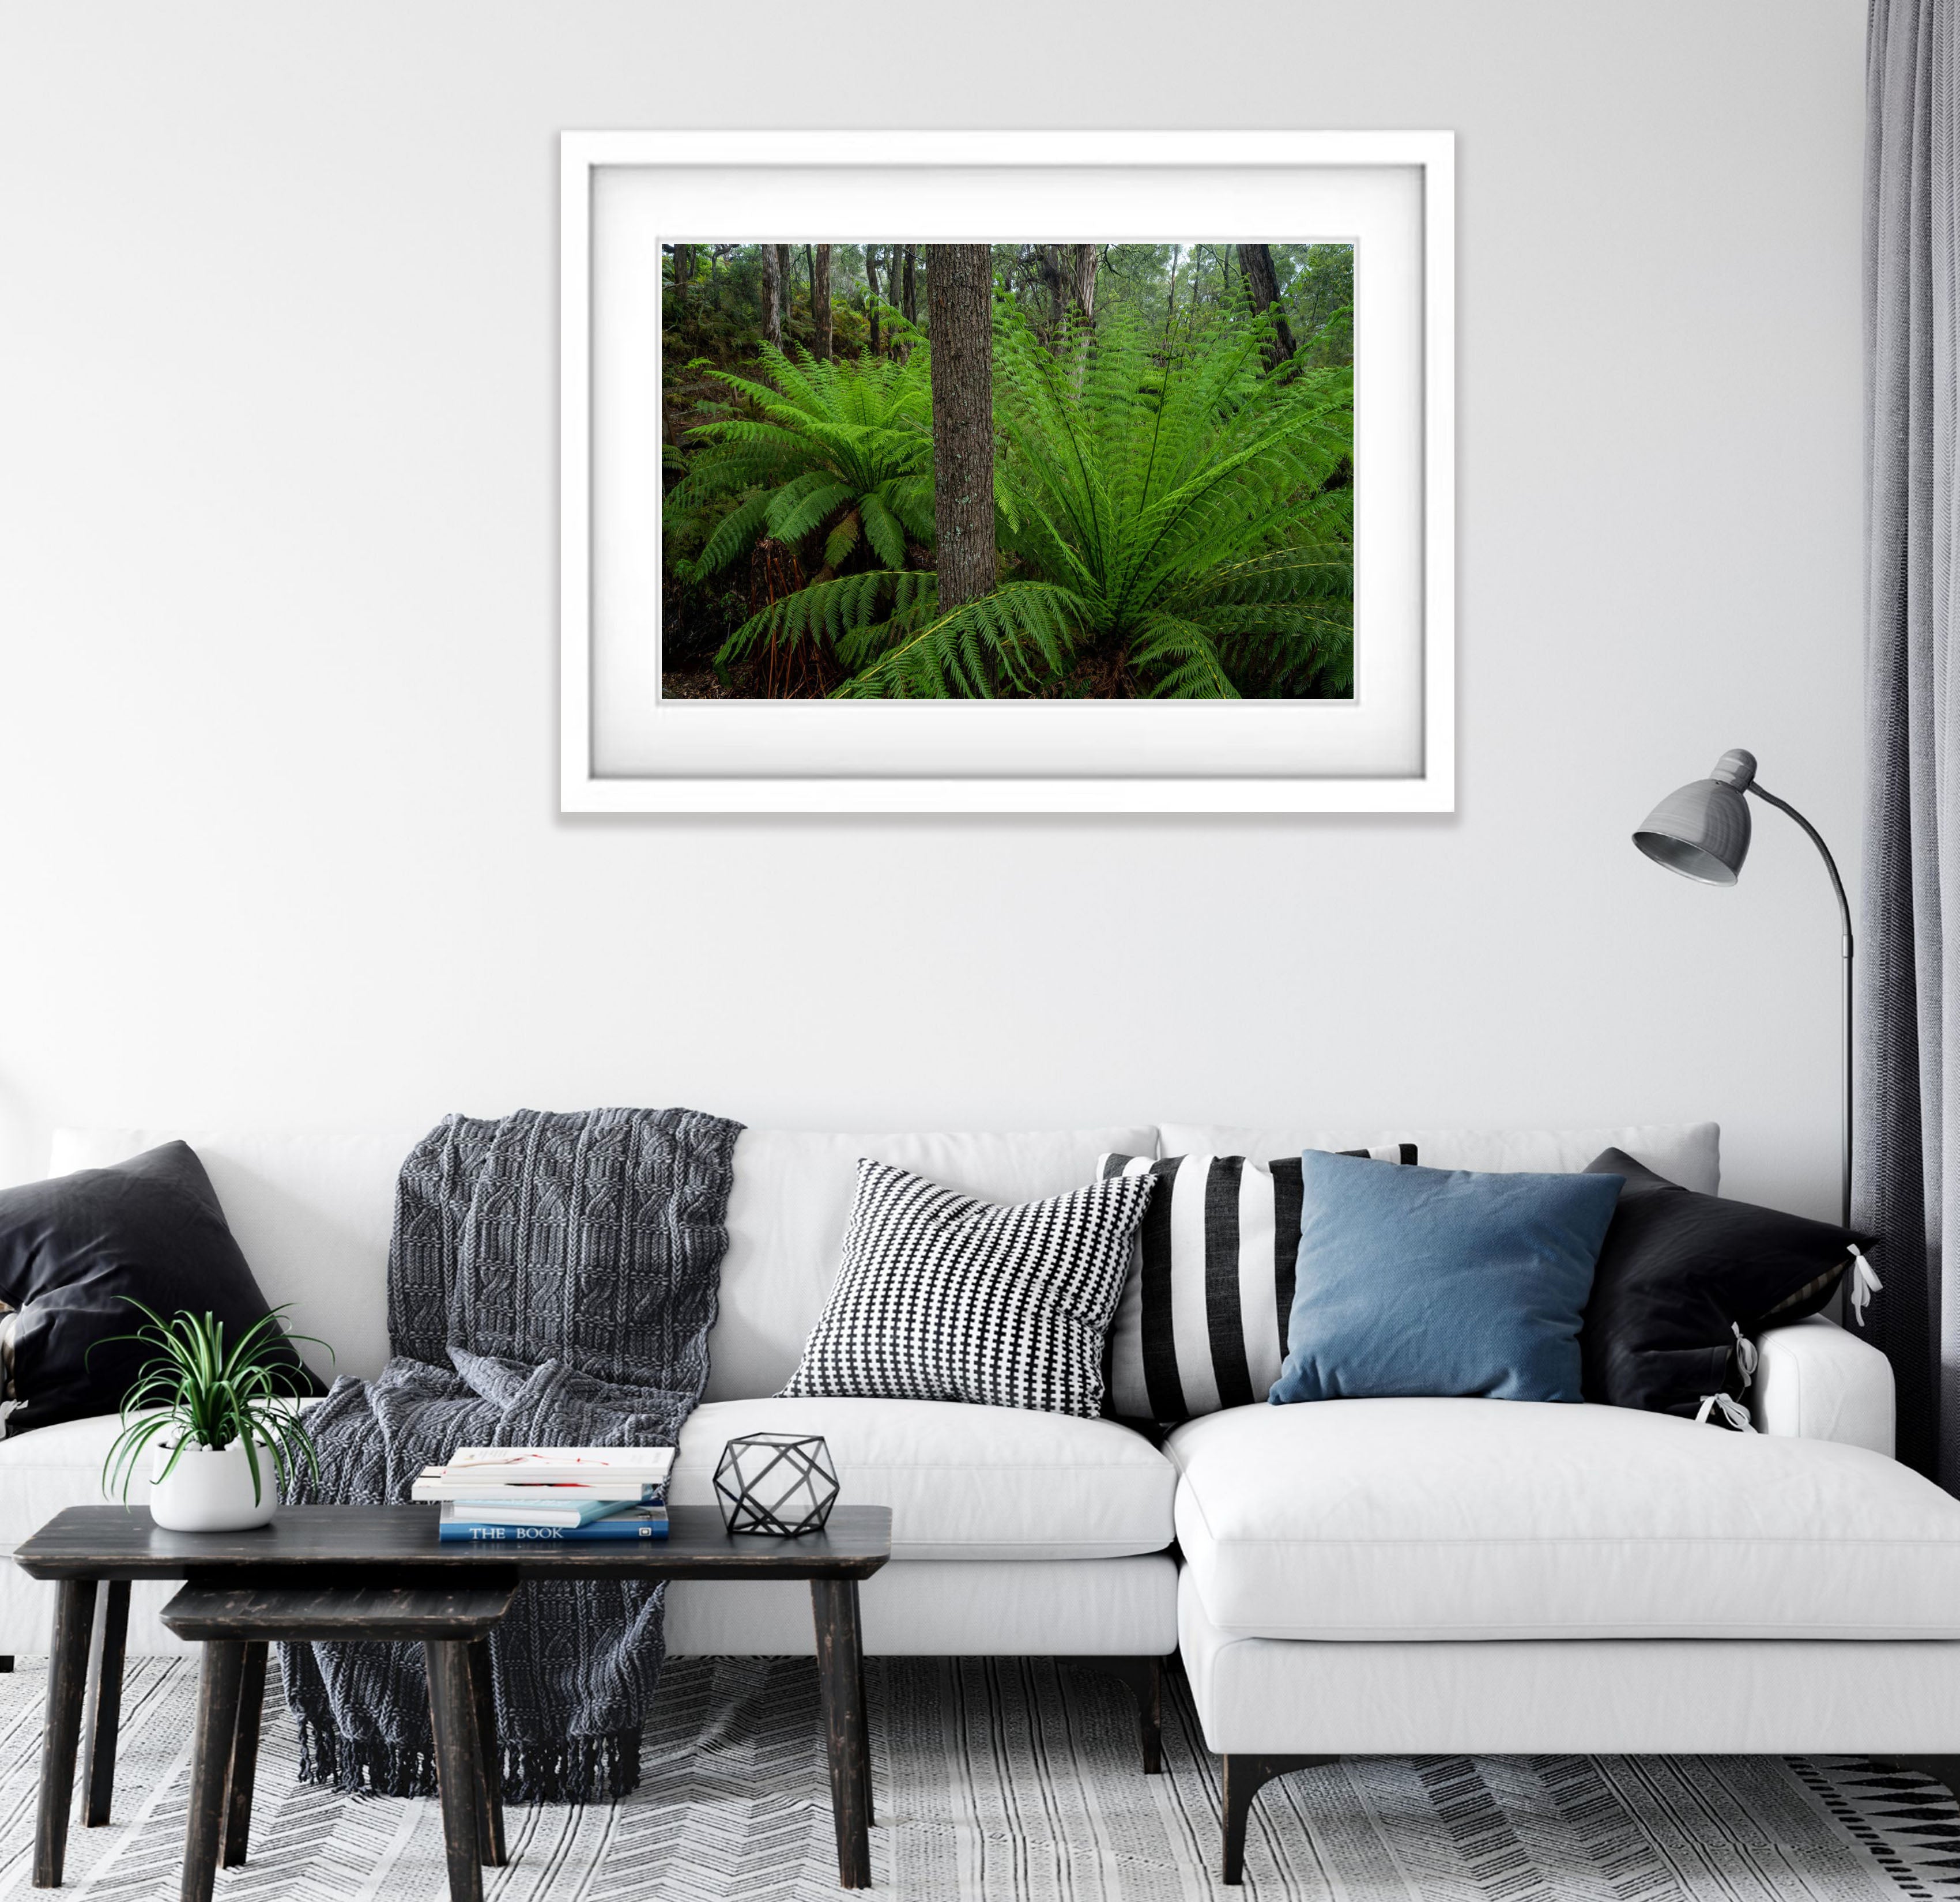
[908, 303]
[1083, 281]
[819, 302]
[959, 320]
[683, 274]
[871, 292]
[772, 300]
[1082, 261]
[1264, 287]
[1049, 258]
[783, 282]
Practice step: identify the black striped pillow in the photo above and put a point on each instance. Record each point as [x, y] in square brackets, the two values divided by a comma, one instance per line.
[1201, 1322]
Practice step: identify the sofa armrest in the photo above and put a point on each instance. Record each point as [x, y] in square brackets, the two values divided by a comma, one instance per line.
[1815, 1380]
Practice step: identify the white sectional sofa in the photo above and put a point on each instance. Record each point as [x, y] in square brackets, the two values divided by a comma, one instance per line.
[1353, 1577]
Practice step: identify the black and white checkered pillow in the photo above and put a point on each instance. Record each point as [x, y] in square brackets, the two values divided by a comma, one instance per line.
[943, 1297]
[1201, 1323]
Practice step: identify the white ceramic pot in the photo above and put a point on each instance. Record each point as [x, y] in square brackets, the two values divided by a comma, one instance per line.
[211, 1492]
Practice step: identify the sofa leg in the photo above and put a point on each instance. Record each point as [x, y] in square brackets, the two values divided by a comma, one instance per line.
[1245, 1776]
[1145, 1677]
[1944, 1771]
[6, 1663]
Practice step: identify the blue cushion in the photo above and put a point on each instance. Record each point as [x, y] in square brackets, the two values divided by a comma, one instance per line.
[1440, 1281]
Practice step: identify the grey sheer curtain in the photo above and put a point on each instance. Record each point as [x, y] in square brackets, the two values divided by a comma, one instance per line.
[1909, 1068]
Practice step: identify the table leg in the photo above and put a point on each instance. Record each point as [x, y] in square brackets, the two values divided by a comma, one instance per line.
[68, 1679]
[452, 1711]
[840, 1667]
[242, 1767]
[864, 1739]
[217, 1696]
[489, 1759]
[105, 1702]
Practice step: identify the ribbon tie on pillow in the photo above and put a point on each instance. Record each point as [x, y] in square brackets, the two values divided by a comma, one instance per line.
[1733, 1413]
[1746, 1357]
[1864, 1284]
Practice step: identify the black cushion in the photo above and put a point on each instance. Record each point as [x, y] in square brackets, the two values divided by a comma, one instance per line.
[71, 1249]
[1680, 1273]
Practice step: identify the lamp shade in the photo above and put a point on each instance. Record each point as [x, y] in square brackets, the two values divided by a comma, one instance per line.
[1702, 831]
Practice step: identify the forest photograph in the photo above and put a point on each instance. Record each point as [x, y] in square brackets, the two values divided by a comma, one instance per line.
[1007, 471]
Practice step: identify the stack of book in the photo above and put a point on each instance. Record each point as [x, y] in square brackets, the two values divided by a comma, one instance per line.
[493, 1493]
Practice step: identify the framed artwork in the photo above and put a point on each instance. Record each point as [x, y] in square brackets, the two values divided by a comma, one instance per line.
[1007, 473]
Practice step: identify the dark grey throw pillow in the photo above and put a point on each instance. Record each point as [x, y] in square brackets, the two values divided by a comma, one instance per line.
[1683, 1278]
[74, 1248]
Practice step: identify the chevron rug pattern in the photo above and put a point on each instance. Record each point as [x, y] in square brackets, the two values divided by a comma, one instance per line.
[1013, 1779]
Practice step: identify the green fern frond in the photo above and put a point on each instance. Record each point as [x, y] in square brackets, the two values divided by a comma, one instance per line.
[1019, 639]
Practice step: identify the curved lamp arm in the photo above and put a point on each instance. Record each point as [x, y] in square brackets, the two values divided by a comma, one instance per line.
[1844, 915]
[1817, 839]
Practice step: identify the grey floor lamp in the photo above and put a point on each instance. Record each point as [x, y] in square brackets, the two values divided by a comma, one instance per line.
[1702, 832]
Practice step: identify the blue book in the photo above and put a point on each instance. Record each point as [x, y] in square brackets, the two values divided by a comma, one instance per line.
[498, 1510]
[636, 1522]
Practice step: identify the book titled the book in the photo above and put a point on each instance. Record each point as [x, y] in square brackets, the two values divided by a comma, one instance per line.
[505, 1510]
[631, 1522]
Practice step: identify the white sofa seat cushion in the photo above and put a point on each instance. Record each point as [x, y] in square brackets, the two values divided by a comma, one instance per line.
[45, 1472]
[1451, 1519]
[971, 1483]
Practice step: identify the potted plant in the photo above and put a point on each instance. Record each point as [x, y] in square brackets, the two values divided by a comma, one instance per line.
[221, 1423]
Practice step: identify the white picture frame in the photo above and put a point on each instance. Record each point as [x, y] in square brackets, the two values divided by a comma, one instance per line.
[1390, 749]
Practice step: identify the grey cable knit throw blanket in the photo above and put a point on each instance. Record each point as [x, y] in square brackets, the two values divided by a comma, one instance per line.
[551, 1280]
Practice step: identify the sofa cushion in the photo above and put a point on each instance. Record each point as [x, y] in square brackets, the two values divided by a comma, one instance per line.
[91, 1259]
[942, 1296]
[1451, 1519]
[1684, 1152]
[1682, 1278]
[962, 1482]
[1440, 1281]
[1201, 1322]
[791, 1200]
[45, 1471]
[313, 1209]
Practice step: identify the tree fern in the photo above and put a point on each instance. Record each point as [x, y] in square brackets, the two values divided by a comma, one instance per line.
[1196, 507]
[829, 458]
[1175, 520]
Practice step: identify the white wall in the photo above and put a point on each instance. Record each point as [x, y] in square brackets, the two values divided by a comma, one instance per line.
[278, 834]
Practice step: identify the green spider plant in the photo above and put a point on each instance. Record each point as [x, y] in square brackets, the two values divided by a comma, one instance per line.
[200, 1392]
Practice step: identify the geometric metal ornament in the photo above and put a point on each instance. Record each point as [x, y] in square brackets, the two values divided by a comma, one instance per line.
[782, 1484]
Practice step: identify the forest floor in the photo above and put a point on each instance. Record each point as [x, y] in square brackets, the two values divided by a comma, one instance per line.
[696, 683]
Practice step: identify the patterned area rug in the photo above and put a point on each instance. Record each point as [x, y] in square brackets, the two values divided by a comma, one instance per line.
[999, 1779]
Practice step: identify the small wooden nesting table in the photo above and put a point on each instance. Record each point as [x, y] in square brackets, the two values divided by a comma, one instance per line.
[451, 1618]
[384, 1548]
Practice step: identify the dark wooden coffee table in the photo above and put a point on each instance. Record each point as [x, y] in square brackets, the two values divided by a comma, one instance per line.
[88, 1546]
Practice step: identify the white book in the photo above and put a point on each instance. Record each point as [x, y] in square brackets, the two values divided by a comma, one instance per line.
[553, 1475]
[503, 1464]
